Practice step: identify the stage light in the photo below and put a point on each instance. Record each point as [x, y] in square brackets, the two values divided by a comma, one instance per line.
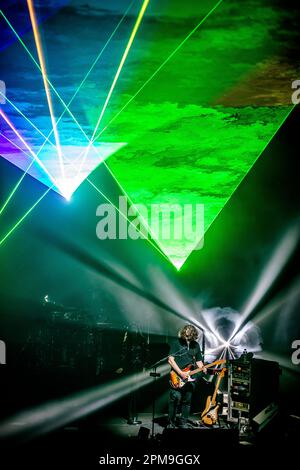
[221, 322]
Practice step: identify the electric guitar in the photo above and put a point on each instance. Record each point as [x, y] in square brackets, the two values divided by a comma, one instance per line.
[178, 382]
[209, 416]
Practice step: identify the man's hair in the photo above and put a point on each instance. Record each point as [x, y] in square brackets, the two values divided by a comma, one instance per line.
[188, 331]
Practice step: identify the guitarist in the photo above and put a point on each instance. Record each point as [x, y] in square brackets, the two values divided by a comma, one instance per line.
[184, 351]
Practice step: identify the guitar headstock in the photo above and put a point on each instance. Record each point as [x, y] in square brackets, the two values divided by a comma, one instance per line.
[220, 372]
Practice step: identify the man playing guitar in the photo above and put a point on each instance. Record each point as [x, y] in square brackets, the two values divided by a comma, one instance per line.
[184, 351]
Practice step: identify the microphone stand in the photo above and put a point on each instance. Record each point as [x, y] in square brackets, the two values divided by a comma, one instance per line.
[203, 343]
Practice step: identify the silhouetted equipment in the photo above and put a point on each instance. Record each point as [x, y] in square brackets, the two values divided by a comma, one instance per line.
[70, 338]
[264, 417]
[253, 386]
[143, 433]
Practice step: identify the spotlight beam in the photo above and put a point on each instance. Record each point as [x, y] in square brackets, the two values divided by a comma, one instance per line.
[53, 415]
[40, 53]
[284, 362]
[84, 257]
[278, 303]
[231, 352]
[212, 351]
[120, 67]
[269, 275]
[214, 331]
[136, 94]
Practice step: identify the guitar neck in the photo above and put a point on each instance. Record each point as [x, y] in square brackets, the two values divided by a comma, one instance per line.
[213, 400]
[207, 366]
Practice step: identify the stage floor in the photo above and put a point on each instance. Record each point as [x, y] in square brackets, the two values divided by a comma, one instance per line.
[104, 437]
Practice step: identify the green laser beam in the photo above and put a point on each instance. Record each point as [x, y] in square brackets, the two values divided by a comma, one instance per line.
[136, 94]
[51, 143]
[28, 155]
[95, 187]
[25, 215]
[47, 79]
[245, 176]
[67, 106]
[20, 179]
[130, 222]
[160, 67]
[91, 68]
[100, 54]
[153, 75]
[69, 103]
[117, 75]
[178, 47]
[33, 154]
[27, 119]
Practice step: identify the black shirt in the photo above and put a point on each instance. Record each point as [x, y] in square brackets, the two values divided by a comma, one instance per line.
[185, 354]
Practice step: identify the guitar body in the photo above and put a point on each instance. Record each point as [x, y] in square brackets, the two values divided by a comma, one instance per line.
[209, 417]
[176, 381]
